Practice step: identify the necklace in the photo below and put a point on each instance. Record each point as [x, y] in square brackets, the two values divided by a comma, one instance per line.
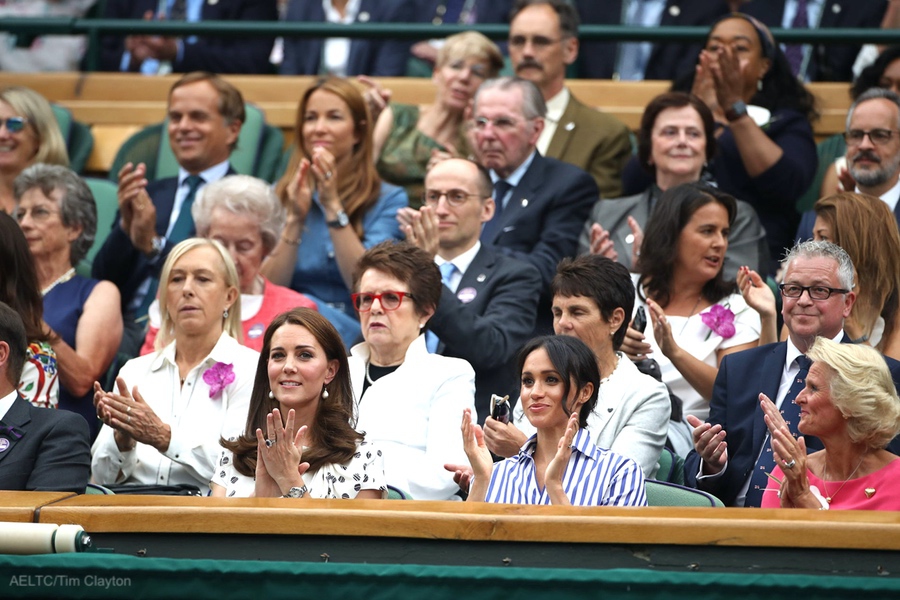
[696, 304]
[62, 279]
[828, 496]
[611, 373]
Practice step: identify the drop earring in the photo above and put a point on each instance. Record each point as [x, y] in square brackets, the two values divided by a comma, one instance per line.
[324, 393]
[759, 85]
[225, 314]
[271, 395]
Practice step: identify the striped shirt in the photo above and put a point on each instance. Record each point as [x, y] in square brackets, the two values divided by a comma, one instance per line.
[593, 477]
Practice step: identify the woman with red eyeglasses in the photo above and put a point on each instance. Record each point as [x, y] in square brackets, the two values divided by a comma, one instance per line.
[408, 401]
[29, 134]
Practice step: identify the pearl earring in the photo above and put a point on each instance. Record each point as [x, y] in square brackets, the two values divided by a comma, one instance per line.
[324, 393]
[271, 395]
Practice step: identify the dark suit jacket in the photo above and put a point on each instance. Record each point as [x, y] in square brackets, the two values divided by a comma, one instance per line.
[595, 142]
[541, 222]
[53, 454]
[487, 320]
[735, 406]
[829, 62]
[486, 11]
[384, 57]
[247, 54]
[667, 61]
[123, 264]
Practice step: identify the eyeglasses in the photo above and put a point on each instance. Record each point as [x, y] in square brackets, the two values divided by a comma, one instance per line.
[39, 214]
[879, 137]
[503, 124]
[14, 124]
[363, 301]
[816, 292]
[539, 42]
[454, 197]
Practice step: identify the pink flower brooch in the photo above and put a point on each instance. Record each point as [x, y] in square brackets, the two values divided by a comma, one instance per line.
[220, 375]
[720, 320]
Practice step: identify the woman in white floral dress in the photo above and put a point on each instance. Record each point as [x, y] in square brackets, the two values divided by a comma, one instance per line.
[300, 441]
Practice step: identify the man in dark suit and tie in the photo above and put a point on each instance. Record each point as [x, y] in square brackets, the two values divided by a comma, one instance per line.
[41, 449]
[873, 152]
[153, 54]
[817, 295]
[541, 203]
[205, 114]
[644, 60]
[489, 301]
[822, 62]
[543, 42]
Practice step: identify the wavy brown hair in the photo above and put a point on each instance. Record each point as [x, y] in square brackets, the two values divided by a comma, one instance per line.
[358, 183]
[332, 438]
[18, 279]
[865, 227]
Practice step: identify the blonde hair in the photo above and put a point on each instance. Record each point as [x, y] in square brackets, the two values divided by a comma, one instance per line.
[474, 45]
[862, 389]
[41, 120]
[232, 325]
[866, 228]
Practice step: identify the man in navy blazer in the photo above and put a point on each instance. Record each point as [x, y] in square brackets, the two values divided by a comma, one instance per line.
[542, 203]
[667, 61]
[823, 62]
[247, 54]
[489, 304]
[205, 114]
[381, 57]
[874, 167]
[41, 449]
[722, 464]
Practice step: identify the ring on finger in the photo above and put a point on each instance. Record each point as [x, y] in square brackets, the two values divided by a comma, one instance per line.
[790, 465]
[270, 443]
[129, 409]
[328, 175]
[128, 420]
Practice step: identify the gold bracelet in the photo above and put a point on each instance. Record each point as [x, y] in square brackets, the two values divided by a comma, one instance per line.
[291, 242]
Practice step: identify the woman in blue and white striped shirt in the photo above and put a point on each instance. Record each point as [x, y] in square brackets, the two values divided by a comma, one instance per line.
[559, 464]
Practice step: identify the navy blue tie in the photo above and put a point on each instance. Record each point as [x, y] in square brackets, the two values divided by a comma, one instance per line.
[794, 52]
[501, 188]
[791, 414]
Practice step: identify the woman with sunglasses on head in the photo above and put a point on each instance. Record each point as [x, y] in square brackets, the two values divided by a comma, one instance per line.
[29, 134]
[408, 400]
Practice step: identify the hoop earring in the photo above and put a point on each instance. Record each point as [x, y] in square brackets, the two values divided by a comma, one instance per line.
[225, 314]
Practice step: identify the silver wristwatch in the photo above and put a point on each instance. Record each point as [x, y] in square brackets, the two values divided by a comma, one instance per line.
[340, 222]
[159, 244]
[296, 492]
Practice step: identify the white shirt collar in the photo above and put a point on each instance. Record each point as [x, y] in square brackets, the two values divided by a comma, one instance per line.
[556, 105]
[6, 403]
[214, 173]
[793, 352]
[462, 261]
[333, 16]
[890, 197]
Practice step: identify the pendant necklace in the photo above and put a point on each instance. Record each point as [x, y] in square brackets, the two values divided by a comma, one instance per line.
[828, 496]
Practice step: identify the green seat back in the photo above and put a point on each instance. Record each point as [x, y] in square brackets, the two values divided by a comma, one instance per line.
[106, 198]
[671, 467]
[828, 150]
[77, 136]
[663, 493]
[142, 147]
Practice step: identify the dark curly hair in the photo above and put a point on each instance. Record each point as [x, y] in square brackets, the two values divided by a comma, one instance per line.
[870, 77]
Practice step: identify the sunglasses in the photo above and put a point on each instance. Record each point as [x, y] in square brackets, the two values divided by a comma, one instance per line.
[14, 124]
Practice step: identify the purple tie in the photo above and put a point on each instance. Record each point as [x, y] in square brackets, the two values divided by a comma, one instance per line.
[794, 52]
[791, 414]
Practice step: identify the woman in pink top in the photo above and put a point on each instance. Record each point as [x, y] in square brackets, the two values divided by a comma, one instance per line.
[849, 403]
[243, 214]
